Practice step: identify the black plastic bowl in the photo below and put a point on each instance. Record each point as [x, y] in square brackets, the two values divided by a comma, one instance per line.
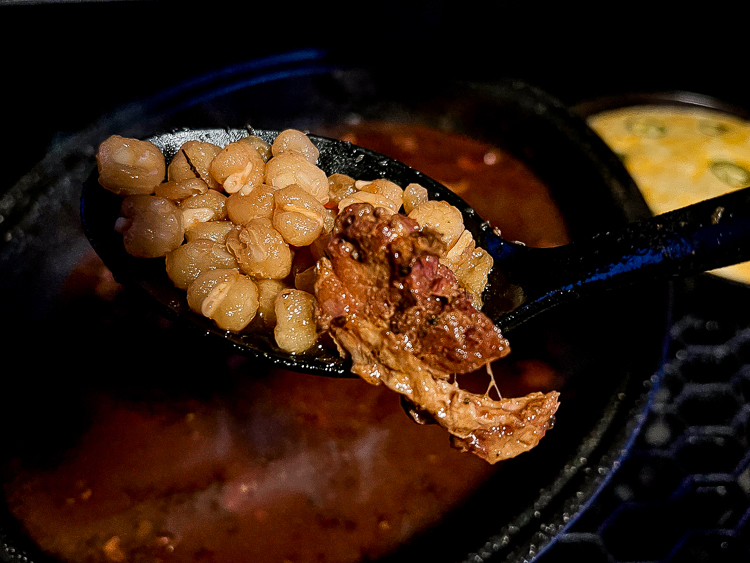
[607, 350]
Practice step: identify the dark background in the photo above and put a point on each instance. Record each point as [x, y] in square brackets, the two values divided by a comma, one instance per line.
[67, 63]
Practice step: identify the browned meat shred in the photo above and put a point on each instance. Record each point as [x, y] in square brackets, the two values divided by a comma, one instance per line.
[389, 304]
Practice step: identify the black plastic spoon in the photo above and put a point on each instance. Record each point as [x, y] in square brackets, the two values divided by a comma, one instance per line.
[523, 283]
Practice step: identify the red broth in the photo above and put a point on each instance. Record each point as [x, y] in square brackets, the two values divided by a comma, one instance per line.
[269, 466]
[500, 187]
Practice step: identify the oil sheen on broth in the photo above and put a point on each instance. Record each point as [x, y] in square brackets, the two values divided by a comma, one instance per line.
[170, 457]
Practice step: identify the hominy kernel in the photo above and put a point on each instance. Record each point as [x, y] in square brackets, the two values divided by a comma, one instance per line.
[292, 168]
[208, 206]
[225, 296]
[295, 330]
[472, 273]
[297, 229]
[268, 291]
[414, 195]
[239, 166]
[191, 217]
[242, 208]
[441, 217]
[339, 187]
[177, 190]
[387, 189]
[193, 160]
[260, 250]
[129, 166]
[201, 286]
[293, 140]
[211, 230]
[185, 263]
[376, 200]
[298, 216]
[263, 148]
[212, 282]
[460, 250]
[151, 226]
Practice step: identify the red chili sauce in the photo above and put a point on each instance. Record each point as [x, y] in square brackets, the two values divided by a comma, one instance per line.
[270, 466]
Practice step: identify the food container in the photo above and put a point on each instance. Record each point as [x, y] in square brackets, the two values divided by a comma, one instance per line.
[122, 401]
[680, 147]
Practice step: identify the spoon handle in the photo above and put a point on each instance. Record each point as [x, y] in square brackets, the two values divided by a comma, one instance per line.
[700, 237]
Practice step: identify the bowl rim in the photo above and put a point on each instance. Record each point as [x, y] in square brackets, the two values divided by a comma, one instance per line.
[681, 98]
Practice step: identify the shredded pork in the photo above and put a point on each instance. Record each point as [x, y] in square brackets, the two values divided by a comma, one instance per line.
[402, 318]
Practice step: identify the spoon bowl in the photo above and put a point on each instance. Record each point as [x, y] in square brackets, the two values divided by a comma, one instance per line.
[101, 208]
[524, 281]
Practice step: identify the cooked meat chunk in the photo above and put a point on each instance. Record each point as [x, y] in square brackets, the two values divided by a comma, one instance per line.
[401, 316]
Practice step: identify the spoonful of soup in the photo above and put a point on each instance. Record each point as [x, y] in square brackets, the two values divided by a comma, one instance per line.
[225, 228]
[321, 256]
